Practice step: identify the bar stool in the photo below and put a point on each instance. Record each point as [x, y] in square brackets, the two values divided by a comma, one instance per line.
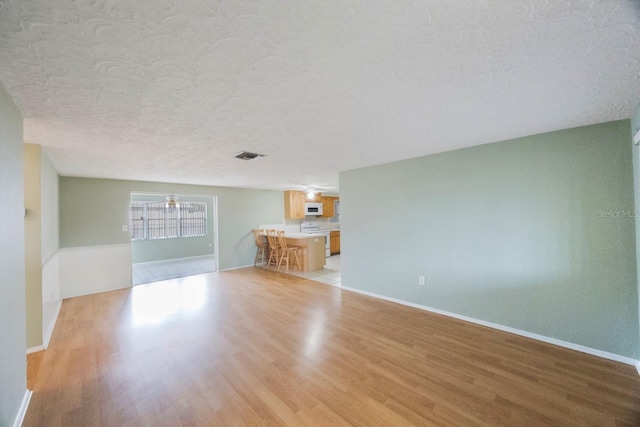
[274, 247]
[262, 244]
[286, 251]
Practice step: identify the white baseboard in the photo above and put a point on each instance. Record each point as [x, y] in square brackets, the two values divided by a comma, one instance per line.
[23, 409]
[237, 268]
[35, 349]
[161, 261]
[549, 340]
[116, 288]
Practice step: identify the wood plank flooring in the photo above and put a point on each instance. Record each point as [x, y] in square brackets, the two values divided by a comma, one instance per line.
[256, 347]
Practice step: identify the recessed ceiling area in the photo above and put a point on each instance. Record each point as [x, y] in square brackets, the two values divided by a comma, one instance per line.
[171, 91]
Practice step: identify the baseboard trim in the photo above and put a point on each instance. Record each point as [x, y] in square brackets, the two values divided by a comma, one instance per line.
[161, 261]
[23, 409]
[237, 268]
[98, 292]
[548, 340]
[51, 327]
[35, 349]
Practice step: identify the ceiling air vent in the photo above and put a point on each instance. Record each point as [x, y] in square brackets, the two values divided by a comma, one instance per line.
[246, 155]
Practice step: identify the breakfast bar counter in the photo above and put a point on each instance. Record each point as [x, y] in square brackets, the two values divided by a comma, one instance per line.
[312, 250]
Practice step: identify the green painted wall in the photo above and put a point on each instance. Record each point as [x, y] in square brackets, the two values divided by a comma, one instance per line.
[49, 196]
[41, 225]
[635, 126]
[93, 211]
[13, 367]
[161, 249]
[524, 233]
[33, 244]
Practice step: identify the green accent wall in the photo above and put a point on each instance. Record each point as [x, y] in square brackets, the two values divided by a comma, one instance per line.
[49, 196]
[635, 126]
[13, 367]
[528, 233]
[93, 211]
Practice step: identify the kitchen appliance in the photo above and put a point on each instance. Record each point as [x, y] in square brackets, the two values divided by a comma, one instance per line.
[312, 209]
[313, 228]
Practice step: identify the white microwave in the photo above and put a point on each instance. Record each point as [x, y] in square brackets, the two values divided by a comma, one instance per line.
[313, 209]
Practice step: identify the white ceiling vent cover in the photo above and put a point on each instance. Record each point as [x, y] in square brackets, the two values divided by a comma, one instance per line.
[246, 155]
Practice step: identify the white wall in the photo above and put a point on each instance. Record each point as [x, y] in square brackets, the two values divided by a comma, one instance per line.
[90, 269]
[13, 344]
[51, 297]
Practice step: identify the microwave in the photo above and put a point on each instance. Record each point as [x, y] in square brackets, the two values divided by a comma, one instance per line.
[313, 209]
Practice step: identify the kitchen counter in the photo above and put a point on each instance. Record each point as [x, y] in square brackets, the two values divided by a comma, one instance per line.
[300, 235]
[312, 249]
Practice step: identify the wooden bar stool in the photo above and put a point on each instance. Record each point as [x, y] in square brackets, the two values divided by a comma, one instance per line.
[274, 247]
[286, 251]
[262, 244]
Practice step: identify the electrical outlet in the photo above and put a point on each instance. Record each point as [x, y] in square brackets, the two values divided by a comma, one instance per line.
[421, 280]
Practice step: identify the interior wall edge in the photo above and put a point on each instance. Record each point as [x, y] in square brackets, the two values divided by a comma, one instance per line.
[22, 411]
[51, 300]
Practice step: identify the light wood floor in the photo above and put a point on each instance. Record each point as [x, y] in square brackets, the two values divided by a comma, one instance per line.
[256, 347]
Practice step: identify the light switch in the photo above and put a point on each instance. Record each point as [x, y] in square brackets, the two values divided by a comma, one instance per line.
[125, 228]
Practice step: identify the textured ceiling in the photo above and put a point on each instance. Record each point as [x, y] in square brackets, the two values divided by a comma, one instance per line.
[166, 90]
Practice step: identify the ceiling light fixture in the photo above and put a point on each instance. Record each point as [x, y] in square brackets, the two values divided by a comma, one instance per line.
[311, 193]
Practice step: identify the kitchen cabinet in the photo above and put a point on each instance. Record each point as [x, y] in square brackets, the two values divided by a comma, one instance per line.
[294, 204]
[328, 210]
[335, 242]
[317, 198]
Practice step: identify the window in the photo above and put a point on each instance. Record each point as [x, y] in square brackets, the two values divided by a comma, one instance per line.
[156, 220]
[193, 219]
[136, 220]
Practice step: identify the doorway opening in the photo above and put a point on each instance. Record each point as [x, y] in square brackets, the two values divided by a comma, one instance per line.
[172, 235]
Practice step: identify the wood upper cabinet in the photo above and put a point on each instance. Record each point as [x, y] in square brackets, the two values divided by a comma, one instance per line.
[317, 198]
[294, 204]
[335, 242]
[328, 210]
